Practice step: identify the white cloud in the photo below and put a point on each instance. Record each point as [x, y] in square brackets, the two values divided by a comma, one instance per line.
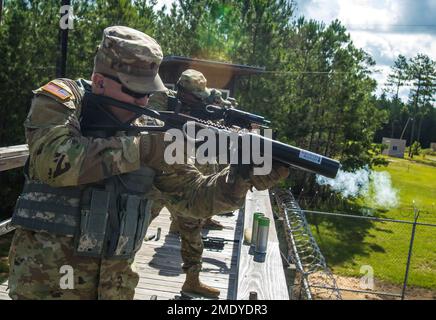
[385, 48]
[383, 28]
[359, 13]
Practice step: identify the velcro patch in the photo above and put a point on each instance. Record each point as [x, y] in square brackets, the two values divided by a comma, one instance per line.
[56, 90]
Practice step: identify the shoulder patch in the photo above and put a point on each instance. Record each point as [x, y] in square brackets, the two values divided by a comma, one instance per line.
[57, 89]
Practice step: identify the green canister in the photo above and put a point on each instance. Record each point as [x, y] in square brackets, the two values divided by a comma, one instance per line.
[256, 217]
[262, 235]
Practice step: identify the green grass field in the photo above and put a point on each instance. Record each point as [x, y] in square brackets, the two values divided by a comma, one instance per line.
[348, 244]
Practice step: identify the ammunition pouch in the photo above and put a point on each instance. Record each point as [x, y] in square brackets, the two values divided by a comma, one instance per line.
[109, 219]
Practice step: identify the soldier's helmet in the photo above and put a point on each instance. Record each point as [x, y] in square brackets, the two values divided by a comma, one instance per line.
[132, 57]
[194, 82]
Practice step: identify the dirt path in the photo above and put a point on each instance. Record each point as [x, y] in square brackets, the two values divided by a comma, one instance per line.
[412, 293]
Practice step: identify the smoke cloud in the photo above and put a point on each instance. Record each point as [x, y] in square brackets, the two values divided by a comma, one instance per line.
[375, 187]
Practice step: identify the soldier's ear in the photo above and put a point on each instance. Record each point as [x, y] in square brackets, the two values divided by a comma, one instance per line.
[97, 83]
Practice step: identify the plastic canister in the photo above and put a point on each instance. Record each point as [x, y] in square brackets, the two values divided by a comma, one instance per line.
[256, 216]
[262, 235]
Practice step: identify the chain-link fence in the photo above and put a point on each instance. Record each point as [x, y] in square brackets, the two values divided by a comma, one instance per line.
[368, 257]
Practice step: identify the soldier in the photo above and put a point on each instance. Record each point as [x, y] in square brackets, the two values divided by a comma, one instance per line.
[194, 83]
[85, 206]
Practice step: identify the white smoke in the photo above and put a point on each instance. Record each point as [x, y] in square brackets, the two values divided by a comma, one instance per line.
[384, 194]
[375, 187]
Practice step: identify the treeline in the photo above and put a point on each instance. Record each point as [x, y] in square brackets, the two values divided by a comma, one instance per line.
[414, 119]
[317, 88]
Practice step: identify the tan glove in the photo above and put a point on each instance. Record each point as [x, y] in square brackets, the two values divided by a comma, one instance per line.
[263, 182]
[152, 148]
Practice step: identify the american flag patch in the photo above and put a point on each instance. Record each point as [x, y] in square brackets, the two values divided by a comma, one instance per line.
[56, 90]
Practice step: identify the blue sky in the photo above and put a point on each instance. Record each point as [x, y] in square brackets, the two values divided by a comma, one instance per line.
[383, 28]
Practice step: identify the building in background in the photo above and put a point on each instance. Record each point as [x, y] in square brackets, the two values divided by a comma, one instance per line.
[394, 147]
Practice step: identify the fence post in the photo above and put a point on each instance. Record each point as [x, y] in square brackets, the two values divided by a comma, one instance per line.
[412, 238]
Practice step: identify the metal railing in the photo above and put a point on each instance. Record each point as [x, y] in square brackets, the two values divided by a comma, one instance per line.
[313, 279]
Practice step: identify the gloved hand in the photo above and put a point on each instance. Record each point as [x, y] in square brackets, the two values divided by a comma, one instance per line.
[263, 182]
[152, 148]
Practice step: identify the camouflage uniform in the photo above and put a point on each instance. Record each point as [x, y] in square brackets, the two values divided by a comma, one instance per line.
[193, 83]
[188, 228]
[61, 156]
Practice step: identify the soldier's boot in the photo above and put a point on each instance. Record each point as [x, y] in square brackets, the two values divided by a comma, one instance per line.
[174, 227]
[211, 224]
[193, 285]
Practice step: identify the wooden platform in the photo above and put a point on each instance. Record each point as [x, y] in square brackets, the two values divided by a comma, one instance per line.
[159, 262]
[233, 270]
[262, 274]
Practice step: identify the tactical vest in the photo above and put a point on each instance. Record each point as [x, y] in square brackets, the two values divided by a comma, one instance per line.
[107, 219]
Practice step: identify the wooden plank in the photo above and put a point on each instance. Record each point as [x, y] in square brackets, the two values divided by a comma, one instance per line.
[208, 264]
[13, 157]
[5, 227]
[11, 151]
[173, 290]
[173, 251]
[170, 273]
[4, 296]
[178, 281]
[3, 293]
[266, 278]
[159, 262]
[145, 294]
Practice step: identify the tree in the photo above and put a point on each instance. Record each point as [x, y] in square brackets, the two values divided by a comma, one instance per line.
[415, 149]
[28, 49]
[399, 75]
[197, 29]
[422, 72]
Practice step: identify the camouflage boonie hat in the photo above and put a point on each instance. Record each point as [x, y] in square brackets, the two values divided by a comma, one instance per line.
[131, 56]
[193, 81]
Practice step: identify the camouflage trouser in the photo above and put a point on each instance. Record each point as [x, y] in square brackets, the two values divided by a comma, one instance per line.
[190, 234]
[40, 264]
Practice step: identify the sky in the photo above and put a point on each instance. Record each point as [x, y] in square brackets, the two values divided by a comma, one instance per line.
[383, 28]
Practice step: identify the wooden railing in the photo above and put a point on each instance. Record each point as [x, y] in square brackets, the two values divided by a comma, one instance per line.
[266, 278]
[11, 158]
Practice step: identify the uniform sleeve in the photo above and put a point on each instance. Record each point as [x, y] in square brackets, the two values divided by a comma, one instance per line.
[61, 156]
[192, 194]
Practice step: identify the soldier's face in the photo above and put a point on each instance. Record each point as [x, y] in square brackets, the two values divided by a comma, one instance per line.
[113, 89]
